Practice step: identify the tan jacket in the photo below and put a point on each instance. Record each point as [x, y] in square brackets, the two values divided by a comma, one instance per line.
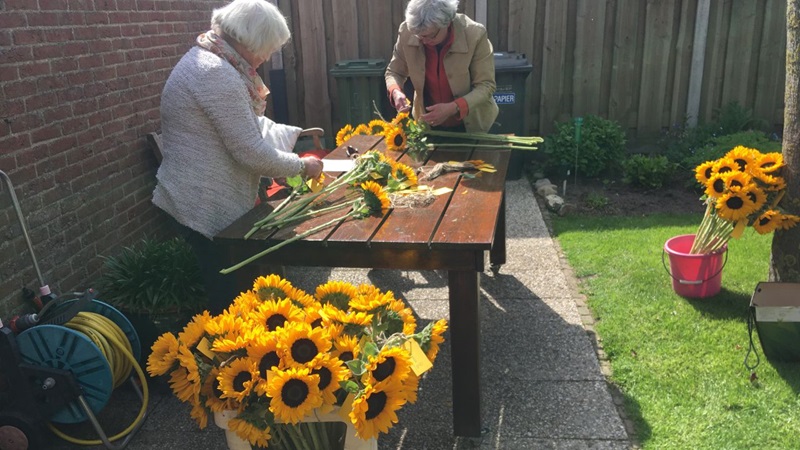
[469, 65]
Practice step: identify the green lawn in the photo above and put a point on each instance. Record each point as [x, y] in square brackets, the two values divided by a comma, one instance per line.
[679, 362]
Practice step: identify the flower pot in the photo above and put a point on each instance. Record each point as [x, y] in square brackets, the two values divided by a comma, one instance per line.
[351, 441]
[694, 275]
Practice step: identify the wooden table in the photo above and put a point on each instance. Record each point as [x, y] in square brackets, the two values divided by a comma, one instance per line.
[453, 233]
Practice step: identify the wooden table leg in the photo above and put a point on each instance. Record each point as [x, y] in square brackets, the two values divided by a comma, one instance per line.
[464, 287]
[497, 255]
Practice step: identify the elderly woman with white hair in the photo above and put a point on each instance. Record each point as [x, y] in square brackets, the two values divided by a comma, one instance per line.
[216, 142]
[450, 62]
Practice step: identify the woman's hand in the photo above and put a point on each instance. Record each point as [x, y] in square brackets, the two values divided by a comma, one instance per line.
[438, 113]
[400, 101]
[313, 166]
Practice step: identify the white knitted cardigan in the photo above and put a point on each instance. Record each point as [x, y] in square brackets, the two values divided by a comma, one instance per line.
[215, 148]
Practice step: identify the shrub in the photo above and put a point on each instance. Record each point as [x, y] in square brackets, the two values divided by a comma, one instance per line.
[154, 277]
[721, 145]
[649, 172]
[602, 146]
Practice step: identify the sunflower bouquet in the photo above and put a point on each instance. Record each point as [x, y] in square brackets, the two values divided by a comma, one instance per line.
[278, 357]
[743, 188]
[403, 133]
[368, 188]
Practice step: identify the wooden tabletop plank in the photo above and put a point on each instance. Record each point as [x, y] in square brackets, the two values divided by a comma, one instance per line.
[473, 211]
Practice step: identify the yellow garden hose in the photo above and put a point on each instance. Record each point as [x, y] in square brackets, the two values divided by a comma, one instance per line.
[116, 348]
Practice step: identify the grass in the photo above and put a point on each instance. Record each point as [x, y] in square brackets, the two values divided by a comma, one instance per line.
[680, 362]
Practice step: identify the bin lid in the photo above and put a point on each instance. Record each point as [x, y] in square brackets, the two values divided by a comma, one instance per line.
[511, 62]
[359, 67]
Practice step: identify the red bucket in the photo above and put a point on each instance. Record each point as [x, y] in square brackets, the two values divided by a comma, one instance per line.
[694, 275]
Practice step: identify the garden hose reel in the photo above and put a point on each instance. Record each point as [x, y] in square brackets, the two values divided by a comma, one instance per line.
[59, 374]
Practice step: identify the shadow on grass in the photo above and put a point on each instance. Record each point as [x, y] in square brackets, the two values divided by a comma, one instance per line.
[567, 224]
[642, 430]
[727, 305]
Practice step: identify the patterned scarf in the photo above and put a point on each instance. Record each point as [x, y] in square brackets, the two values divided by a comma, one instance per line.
[212, 42]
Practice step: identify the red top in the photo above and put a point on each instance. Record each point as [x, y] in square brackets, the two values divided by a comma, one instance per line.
[437, 87]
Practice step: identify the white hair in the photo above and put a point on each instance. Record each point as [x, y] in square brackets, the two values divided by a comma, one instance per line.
[424, 14]
[256, 24]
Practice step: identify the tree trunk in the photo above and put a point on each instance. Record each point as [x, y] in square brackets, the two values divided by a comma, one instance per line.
[785, 263]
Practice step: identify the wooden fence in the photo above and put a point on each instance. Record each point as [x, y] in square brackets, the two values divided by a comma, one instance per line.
[646, 64]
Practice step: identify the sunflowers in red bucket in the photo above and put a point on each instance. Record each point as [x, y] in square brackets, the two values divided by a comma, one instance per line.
[742, 189]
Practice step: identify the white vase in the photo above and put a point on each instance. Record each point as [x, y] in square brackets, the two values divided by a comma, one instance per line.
[351, 441]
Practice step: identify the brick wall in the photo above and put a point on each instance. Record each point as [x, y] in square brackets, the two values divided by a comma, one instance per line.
[80, 83]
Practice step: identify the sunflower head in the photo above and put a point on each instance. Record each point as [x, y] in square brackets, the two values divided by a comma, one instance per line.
[770, 163]
[376, 200]
[375, 410]
[735, 205]
[293, 394]
[344, 134]
[743, 156]
[704, 172]
[272, 287]
[395, 139]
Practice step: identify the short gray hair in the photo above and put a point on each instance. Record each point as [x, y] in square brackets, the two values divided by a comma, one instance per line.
[424, 14]
[256, 24]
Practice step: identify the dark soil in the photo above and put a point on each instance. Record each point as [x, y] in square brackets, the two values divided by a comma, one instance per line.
[593, 197]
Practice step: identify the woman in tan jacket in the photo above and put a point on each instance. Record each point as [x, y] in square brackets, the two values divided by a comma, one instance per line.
[450, 62]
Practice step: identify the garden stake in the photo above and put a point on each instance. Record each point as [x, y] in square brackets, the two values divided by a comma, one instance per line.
[578, 124]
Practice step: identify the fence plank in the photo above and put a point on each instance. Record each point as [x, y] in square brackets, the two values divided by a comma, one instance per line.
[658, 33]
[345, 29]
[770, 81]
[624, 88]
[717, 44]
[554, 60]
[740, 64]
[522, 14]
[590, 30]
[316, 101]
[683, 61]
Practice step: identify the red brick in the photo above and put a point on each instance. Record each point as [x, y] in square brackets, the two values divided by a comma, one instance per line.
[96, 18]
[39, 101]
[54, 5]
[48, 51]
[84, 107]
[18, 53]
[89, 136]
[110, 31]
[68, 173]
[8, 163]
[73, 125]
[9, 73]
[27, 36]
[61, 145]
[70, 94]
[112, 128]
[34, 69]
[89, 61]
[45, 134]
[58, 35]
[58, 113]
[15, 20]
[121, 17]
[26, 122]
[104, 73]
[49, 83]
[5, 38]
[15, 142]
[22, 88]
[75, 48]
[61, 65]
[114, 57]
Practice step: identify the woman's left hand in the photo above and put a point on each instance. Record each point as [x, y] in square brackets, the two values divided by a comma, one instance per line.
[438, 113]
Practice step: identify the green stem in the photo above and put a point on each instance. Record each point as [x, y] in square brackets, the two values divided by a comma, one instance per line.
[315, 437]
[486, 137]
[286, 242]
[297, 437]
[519, 147]
[311, 213]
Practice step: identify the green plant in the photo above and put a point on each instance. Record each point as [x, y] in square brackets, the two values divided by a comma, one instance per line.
[598, 150]
[153, 277]
[596, 201]
[719, 146]
[645, 171]
[733, 117]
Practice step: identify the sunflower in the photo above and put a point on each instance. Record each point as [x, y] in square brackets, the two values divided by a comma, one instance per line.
[264, 349]
[788, 221]
[164, 352]
[237, 379]
[725, 165]
[182, 388]
[200, 415]
[400, 119]
[736, 180]
[232, 342]
[226, 325]
[188, 361]
[743, 156]
[703, 172]
[735, 206]
[371, 301]
[331, 371]
[770, 162]
[301, 299]
[404, 314]
[211, 391]
[405, 174]
[302, 345]
[294, 393]
[252, 433]
[377, 127]
[392, 364]
[437, 337]
[375, 410]
[715, 186]
[272, 315]
[344, 134]
[336, 293]
[361, 129]
[243, 304]
[375, 197]
[346, 348]
[272, 287]
[395, 139]
[767, 222]
[411, 386]
[194, 330]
